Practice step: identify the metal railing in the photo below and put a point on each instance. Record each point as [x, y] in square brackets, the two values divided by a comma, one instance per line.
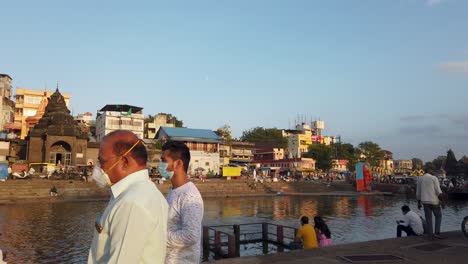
[225, 240]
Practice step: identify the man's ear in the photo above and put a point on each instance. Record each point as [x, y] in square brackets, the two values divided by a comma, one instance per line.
[125, 160]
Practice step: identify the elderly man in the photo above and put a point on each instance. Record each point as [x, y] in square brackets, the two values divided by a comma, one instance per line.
[133, 226]
[185, 206]
[428, 192]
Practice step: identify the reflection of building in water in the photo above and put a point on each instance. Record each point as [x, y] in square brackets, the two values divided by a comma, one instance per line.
[341, 207]
[232, 208]
[366, 204]
[283, 207]
[308, 208]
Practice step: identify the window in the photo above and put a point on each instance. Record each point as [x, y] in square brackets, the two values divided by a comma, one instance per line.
[207, 164]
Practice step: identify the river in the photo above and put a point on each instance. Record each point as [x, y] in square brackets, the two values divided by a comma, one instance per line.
[62, 232]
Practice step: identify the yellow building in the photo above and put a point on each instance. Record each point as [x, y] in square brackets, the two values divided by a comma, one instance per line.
[26, 104]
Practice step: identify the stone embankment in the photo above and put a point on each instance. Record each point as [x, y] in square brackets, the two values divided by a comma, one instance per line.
[13, 191]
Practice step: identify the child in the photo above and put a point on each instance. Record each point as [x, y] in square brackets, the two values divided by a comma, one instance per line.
[323, 233]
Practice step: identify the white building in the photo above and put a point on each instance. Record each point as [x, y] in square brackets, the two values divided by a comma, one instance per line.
[119, 117]
[202, 143]
[86, 118]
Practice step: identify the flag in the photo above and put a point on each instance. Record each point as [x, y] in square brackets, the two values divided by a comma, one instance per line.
[129, 113]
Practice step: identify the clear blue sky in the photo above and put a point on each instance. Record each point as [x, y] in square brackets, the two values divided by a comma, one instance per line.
[394, 72]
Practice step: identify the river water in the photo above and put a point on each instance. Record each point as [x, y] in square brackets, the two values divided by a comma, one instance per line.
[62, 232]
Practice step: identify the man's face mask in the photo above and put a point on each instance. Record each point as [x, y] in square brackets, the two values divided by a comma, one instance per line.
[101, 177]
[162, 168]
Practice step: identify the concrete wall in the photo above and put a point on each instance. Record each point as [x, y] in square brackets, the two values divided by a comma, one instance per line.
[206, 160]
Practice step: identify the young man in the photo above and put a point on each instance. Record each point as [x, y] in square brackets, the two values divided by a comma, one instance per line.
[428, 192]
[133, 226]
[185, 206]
[306, 234]
[411, 224]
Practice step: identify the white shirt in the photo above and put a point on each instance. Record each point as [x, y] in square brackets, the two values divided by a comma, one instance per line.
[134, 224]
[185, 224]
[428, 189]
[414, 221]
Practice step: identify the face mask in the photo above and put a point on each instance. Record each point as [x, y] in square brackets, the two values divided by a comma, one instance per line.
[100, 177]
[163, 170]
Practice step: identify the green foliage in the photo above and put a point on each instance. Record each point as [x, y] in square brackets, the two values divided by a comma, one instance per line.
[322, 154]
[417, 164]
[265, 135]
[224, 132]
[370, 152]
[439, 162]
[428, 166]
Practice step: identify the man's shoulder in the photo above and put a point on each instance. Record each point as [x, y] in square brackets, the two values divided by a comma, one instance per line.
[141, 191]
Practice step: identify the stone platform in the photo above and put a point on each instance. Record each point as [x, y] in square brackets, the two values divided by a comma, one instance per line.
[452, 249]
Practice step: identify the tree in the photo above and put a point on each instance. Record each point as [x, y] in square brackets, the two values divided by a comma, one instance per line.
[346, 151]
[439, 162]
[149, 119]
[370, 152]
[322, 154]
[451, 163]
[429, 166]
[224, 132]
[417, 163]
[265, 135]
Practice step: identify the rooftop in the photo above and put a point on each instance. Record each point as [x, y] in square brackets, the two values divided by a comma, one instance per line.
[121, 108]
[5, 75]
[189, 134]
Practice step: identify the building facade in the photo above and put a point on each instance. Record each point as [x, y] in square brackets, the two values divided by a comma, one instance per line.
[152, 128]
[340, 165]
[7, 105]
[119, 117]
[203, 145]
[297, 166]
[268, 153]
[403, 166]
[27, 104]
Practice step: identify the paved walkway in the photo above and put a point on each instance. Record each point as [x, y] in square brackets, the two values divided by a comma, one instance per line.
[452, 249]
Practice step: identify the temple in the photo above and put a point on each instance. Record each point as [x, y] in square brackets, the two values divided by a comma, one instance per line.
[56, 137]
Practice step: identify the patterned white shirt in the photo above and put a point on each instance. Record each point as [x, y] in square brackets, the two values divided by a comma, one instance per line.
[184, 225]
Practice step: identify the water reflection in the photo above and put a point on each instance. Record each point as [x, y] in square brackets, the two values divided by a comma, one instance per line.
[62, 232]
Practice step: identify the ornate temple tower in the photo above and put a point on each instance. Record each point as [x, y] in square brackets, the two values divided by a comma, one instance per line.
[57, 138]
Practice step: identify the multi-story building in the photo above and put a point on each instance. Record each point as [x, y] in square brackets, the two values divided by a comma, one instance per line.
[340, 165]
[27, 104]
[241, 152]
[268, 153]
[86, 118]
[7, 105]
[119, 117]
[152, 128]
[203, 145]
[301, 166]
[299, 140]
[403, 166]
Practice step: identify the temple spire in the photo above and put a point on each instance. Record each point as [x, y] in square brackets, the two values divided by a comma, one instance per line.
[57, 91]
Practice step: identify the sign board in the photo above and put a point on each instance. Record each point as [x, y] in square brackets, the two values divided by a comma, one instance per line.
[232, 171]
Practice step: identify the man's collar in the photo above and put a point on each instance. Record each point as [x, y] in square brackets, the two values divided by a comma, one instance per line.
[124, 183]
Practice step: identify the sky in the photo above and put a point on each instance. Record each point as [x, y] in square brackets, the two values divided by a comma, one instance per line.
[390, 71]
